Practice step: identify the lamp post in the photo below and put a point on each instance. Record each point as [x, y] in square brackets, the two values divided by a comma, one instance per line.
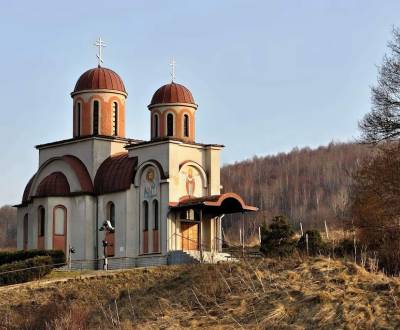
[107, 228]
[71, 251]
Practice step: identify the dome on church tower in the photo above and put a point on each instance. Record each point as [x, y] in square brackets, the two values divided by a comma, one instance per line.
[99, 78]
[172, 93]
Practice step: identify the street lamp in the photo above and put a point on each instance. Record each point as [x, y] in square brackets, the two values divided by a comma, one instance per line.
[107, 228]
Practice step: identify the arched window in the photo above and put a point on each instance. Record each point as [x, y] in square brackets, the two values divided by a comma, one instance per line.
[186, 125]
[41, 222]
[60, 228]
[95, 117]
[170, 125]
[155, 210]
[155, 125]
[111, 213]
[78, 119]
[115, 118]
[146, 215]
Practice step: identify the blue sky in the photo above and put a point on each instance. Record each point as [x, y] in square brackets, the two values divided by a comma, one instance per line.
[267, 75]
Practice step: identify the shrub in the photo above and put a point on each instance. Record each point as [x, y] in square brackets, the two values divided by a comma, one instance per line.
[9, 275]
[344, 247]
[315, 243]
[57, 256]
[277, 239]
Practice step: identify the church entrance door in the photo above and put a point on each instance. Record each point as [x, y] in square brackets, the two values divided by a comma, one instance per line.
[190, 234]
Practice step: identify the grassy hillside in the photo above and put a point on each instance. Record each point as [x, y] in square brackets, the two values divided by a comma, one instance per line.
[288, 294]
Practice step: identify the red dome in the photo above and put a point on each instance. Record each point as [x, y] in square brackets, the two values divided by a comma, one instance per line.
[172, 93]
[99, 78]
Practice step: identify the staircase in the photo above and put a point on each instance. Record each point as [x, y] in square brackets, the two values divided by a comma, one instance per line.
[194, 256]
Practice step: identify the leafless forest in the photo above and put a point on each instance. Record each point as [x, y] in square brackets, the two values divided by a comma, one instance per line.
[307, 185]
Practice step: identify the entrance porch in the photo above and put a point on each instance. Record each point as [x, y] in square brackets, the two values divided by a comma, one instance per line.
[196, 223]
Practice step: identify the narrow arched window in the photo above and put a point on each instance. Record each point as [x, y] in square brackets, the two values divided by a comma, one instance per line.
[115, 119]
[155, 210]
[146, 215]
[41, 222]
[155, 126]
[95, 117]
[186, 125]
[78, 119]
[111, 213]
[170, 124]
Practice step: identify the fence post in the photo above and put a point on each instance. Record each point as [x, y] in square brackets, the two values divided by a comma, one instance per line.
[307, 243]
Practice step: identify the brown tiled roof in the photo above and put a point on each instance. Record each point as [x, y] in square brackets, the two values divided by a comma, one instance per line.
[99, 78]
[172, 93]
[224, 203]
[27, 189]
[116, 173]
[55, 184]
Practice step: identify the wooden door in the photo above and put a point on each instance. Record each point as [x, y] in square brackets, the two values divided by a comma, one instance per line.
[189, 236]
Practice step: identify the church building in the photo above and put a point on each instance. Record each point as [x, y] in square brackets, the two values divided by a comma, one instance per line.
[162, 197]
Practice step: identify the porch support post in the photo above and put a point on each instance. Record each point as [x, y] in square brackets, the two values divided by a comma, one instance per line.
[201, 235]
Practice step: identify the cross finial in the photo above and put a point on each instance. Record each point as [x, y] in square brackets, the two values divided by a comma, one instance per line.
[100, 44]
[173, 68]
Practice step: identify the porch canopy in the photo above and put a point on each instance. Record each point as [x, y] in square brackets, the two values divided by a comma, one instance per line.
[217, 204]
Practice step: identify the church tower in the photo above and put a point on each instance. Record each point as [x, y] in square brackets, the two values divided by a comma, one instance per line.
[99, 104]
[172, 110]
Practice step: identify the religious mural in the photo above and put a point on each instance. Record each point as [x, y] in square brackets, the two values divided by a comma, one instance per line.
[191, 184]
[150, 186]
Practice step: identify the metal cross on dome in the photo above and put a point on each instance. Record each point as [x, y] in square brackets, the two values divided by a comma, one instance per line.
[100, 44]
[173, 68]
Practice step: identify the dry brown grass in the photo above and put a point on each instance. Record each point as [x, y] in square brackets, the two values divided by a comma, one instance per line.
[279, 294]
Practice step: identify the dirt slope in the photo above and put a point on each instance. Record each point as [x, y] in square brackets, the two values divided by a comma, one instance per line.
[286, 294]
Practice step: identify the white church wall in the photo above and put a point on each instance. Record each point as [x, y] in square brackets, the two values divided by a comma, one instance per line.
[132, 222]
[120, 202]
[57, 166]
[81, 226]
[92, 151]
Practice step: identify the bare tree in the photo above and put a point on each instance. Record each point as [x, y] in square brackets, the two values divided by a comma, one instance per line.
[383, 122]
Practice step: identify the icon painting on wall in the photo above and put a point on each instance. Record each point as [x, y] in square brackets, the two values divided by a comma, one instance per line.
[150, 187]
[190, 183]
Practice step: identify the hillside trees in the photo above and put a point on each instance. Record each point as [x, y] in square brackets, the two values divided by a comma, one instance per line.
[375, 206]
[306, 185]
[8, 227]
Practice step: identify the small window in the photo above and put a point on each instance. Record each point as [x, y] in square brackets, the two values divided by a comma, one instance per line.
[41, 222]
[78, 119]
[111, 213]
[155, 125]
[155, 209]
[96, 117]
[170, 125]
[115, 119]
[186, 125]
[146, 215]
